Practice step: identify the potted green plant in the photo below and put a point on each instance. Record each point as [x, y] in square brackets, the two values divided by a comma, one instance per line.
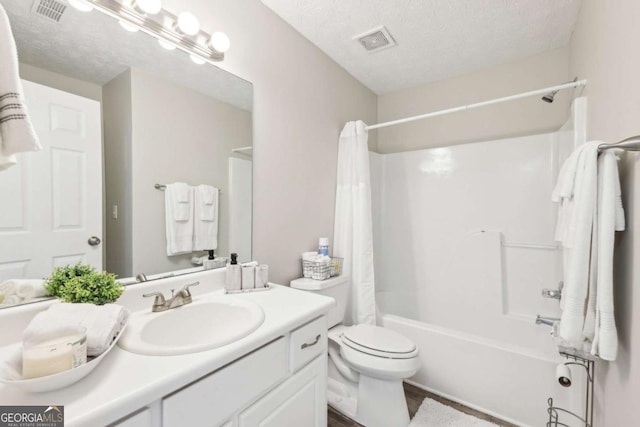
[82, 283]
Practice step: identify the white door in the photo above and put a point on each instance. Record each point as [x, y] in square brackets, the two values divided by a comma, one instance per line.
[51, 201]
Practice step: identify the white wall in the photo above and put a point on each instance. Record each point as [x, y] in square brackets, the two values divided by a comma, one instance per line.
[61, 82]
[302, 99]
[117, 124]
[604, 50]
[515, 118]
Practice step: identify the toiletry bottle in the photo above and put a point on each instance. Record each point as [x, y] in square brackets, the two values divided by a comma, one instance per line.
[210, 262]
[234, 274]
[323, 246]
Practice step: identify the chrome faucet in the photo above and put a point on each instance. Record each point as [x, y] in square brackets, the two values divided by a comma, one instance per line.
[177, 299]
[540, 320]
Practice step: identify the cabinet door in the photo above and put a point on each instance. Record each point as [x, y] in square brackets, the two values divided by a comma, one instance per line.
[299, 401]
[141, 418]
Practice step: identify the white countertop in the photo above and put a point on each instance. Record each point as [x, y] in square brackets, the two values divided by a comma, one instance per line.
[125, 382]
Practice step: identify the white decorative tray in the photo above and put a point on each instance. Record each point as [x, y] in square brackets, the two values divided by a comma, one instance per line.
[11, 369]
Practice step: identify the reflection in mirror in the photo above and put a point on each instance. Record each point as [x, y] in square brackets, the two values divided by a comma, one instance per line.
[120, 118]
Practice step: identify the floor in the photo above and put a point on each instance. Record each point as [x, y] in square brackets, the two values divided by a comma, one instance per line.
[415, 396]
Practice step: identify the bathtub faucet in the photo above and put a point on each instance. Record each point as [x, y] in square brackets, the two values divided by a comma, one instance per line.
[540, 320]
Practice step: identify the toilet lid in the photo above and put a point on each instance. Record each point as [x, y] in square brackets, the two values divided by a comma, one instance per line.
[378, 341]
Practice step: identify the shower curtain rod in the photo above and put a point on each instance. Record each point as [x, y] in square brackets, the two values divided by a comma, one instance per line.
[577, 83]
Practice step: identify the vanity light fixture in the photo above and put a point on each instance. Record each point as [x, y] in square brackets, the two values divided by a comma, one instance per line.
[197, 59]
[127, 26]
[219, 41]
[188, 24]
[182, 32]
[165, 44]
[81, 5]
[150, 7]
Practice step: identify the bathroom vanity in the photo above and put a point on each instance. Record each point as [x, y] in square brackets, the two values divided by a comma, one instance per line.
[274, 376]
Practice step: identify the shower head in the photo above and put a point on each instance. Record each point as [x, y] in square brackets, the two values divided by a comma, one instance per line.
[549, 96]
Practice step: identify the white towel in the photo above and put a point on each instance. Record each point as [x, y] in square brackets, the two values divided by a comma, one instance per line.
[590, 212]
[180, 194]
[205, 235]
[610, 220]
[11, 300]
[16, 131]
[102, 322]
[577, 242]
[28, 289]
[179, 231]
[8, 288]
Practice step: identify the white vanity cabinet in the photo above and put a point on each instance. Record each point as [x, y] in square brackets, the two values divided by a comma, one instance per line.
[283, 383]
[299, 401]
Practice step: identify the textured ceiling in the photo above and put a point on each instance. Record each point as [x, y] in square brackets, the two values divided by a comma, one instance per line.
[436, 39]
[94, 48]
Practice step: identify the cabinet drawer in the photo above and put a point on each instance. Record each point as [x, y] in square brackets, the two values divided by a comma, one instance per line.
[213, 399]
[308, 342]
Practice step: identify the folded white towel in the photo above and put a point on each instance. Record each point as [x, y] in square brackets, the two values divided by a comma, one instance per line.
[205, 235]
[605, 343]
[102, 322]
[576, 240]
[28, 289]
[179, 232]
[180, 195]
[16, 131]
[8, 288]
[11, 300]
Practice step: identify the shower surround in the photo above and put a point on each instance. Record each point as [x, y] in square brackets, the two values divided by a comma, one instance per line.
[464, 245]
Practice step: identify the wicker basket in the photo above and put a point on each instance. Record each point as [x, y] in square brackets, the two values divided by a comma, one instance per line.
[322, 270]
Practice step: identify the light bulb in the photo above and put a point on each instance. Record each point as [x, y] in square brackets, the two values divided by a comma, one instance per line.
[188, 23]
[165, 44]
[197, 59]
[149, 6]
[81, 5]
[129, 27]
[220, 42]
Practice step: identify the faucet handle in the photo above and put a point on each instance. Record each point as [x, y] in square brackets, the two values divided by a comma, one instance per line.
[159, 300]
[185, 291]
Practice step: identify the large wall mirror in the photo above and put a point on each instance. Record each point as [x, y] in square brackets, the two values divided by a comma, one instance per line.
[119, 117]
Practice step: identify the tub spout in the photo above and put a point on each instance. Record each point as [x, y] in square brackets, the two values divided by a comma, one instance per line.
[540, 320]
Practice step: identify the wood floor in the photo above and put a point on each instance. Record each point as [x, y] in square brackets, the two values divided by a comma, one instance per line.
[415, 396]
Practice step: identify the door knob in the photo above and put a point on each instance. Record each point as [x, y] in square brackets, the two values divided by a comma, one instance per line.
[94, 241]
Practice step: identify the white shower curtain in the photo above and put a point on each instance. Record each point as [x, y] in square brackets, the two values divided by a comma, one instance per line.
[353, 231]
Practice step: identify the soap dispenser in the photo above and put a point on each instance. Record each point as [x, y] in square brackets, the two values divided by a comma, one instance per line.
[234, 275]
[211, 262]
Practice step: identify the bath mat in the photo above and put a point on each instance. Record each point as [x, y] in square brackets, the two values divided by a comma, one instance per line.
[435, 414]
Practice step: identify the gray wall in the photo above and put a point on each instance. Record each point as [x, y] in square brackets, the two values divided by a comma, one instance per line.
[604, 50]
[178, 135]
[302, 99]
[60, 82]
[117, 124]
[514, 118]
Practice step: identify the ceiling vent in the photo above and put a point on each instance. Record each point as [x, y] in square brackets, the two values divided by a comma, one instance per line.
[376, 39]
[53, 10]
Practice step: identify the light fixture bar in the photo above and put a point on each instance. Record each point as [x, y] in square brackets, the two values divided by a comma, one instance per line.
[154, 26]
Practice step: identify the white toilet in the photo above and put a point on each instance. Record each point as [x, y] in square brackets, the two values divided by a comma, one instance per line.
[367, 364]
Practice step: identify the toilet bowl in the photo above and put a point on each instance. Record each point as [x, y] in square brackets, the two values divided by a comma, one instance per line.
[367, 363]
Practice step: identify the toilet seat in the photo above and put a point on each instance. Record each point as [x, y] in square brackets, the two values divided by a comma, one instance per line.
[379, 342]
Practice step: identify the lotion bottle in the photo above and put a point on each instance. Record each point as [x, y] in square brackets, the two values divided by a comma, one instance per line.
[234, 274]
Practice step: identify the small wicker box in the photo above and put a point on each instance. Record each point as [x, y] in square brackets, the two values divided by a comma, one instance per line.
[322, 270]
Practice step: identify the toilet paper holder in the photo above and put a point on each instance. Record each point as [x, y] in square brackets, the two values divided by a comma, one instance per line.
[586, 361]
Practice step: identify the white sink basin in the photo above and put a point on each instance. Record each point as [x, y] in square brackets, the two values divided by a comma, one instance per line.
[199, 326]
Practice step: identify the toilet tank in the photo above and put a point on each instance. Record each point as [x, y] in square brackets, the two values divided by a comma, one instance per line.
[336, 288]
